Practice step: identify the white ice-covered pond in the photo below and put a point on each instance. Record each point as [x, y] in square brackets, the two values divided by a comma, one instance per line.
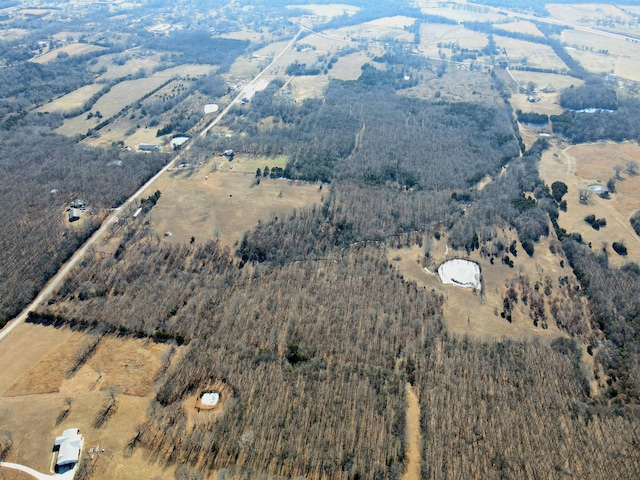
[462, 273]
[210, 399]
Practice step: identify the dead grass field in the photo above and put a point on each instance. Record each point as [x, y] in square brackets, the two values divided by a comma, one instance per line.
[594, 61]
[587, 14]
[456, 85]
[521, 27]
[459, 12]
[120, 95]
[35, 355]
[132, 65]
[532, 54]
[10, 474]
[583, 165]
[414, 438]
[468, 313]
[9, 34]
[327, 11]
[226, 204]
[547, 101]
[623, 57]
[75, 99]
[432, 34]
[71, 49]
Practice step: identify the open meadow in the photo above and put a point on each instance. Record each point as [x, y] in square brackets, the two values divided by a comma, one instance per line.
[221, 200]
[593, 164]
[45, 382]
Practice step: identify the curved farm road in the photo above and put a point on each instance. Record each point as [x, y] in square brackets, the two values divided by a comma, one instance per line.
[59, 277]
[37, 475]
[414, 442]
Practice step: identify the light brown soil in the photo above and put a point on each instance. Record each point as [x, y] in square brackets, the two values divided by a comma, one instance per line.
[414, 439]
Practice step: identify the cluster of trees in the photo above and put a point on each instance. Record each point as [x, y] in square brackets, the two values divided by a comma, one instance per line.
[613, 294]
[474, 397]
[635, 222]
[533, 118]
[43, 174]
[593, 94]
[619, 125]
[343, 320]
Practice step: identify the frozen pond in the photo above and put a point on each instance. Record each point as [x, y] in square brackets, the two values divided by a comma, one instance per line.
[461, 273]
[597, 189]
[210, 399]
[178, 141]
[211, 108]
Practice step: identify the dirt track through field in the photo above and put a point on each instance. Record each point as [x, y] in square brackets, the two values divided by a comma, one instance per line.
[412, 471]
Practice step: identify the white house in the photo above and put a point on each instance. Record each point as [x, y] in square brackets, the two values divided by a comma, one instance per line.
[69, 446]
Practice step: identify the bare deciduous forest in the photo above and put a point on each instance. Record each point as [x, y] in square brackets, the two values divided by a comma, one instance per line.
[314, 334]
[42, 175]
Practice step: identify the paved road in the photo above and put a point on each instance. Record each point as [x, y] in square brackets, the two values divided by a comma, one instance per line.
[248, 86]
[60, 276]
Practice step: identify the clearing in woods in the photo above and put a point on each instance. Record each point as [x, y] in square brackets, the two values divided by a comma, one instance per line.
[582, 165]
[468, 313]
[414, 439]
[220, 200]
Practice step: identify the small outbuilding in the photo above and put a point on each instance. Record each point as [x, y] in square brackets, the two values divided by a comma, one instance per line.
[74, 214]
[68, 446]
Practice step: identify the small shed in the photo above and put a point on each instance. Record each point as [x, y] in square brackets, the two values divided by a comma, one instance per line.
[74, 214]
[68, 446]
[148, 147]
[78, 203]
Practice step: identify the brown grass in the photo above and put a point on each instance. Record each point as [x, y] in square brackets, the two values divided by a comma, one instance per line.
[72, 100]
[72, 49]
[33, 353]
[226, 204]
[413, 435]
[521, 27]
[587, 14]
[533, 54]
[582, 165]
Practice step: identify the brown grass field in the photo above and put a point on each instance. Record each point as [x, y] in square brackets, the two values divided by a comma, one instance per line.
[227, 203]
[457, 11]
[72, 49]
[521, 27]
[532, 54]
[432, 34]
[328, 11]
[121, 95]
[622, 54]
[75, 99]
[586, 14]
[9, 34]
[547, 102]
[132, 66]
[583, 165]
[33, 385]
